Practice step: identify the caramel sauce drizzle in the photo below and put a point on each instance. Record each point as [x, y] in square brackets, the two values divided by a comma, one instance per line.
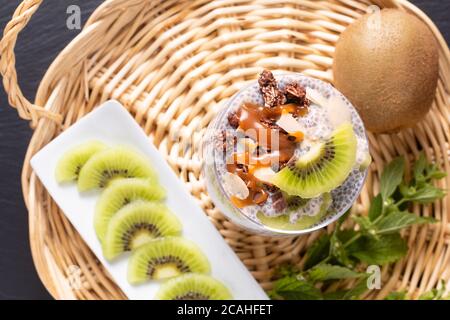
[257, 194]
[257, 123]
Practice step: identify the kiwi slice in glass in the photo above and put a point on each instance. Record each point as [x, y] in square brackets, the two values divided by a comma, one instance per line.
[166, 258]
[69, 165]
[293, 203]
[323, 168]
[304, 221]
[193, 286]
[113, 163]
[120, 193]
[136, 224]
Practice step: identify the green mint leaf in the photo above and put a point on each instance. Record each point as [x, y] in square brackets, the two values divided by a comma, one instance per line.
[346, 235]
[396, 296]
[435, 294]
[376, 207]
[437, 175]
[286, 270]
[338, 251]
[359, 289]
[318, 251]
[427, 194]
[430, 295]
[335, 295]
[295, 288]
[419, 167]
[363, 222]
[350, 294]
[324, 272]
[407, 191]
[392, 177]
[397, 221]
[367, 227]
[432, 171]
[386, 249]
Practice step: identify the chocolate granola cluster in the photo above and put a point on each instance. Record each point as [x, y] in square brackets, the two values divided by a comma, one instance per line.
[272, 95]
[295, 93]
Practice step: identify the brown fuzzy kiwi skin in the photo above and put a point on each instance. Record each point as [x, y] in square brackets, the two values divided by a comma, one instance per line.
[387, 64]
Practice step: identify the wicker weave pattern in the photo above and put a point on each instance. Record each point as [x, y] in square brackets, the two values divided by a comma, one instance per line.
[172, 63]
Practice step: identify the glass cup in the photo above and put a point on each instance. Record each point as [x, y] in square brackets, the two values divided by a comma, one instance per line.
[214, 159]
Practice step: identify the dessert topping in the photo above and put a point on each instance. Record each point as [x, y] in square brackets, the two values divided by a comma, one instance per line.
[265, 132]
[295, 93]
[246, 145]
[263, 174]
[288, 123]
[257, 193]
[279, 203]
[235, 186]
[272, 95]
[271, 136]
[233, 120]
[316, 97]
[228, 140]
[338, 111]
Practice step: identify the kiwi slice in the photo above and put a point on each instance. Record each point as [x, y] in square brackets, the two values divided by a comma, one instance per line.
[69, 165]
[112, 163]
[294, 203]
[118, 194]
[166, 258]
[136, 224]
[323, 168]
[193, 287]
[303, 222]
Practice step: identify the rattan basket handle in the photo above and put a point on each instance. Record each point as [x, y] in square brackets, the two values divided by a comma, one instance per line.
[25, 108]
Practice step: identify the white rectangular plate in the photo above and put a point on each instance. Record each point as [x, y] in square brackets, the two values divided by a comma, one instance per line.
[111, 123]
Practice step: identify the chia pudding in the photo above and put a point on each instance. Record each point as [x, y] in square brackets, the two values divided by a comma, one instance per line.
[287, 155]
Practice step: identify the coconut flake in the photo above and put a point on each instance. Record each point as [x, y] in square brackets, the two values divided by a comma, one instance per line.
[316, 97]
[235, 186]
[246, 145]
[338, 112]
[288, 123]
[264, 174]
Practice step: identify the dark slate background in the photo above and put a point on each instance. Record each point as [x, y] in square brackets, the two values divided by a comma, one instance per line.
[38, 45]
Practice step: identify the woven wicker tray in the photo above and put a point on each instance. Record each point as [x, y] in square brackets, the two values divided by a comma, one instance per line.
[172, 63]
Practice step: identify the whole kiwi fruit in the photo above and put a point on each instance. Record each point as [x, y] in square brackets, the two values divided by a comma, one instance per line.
[387, 64]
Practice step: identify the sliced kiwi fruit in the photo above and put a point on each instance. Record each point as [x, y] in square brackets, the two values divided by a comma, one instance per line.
[323, 168]
[294, 203]
[113, 163]
[303, 222]
[136, 224]
[69, 165]
[118, 194]
[193, 286]
[166, 258]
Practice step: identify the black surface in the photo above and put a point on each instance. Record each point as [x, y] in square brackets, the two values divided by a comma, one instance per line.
[37, 46]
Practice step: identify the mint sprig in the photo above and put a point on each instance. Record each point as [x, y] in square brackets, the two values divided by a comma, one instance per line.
[324, 272]
[433, 294]
[376, 239]
[391, 177]
[381, 251]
